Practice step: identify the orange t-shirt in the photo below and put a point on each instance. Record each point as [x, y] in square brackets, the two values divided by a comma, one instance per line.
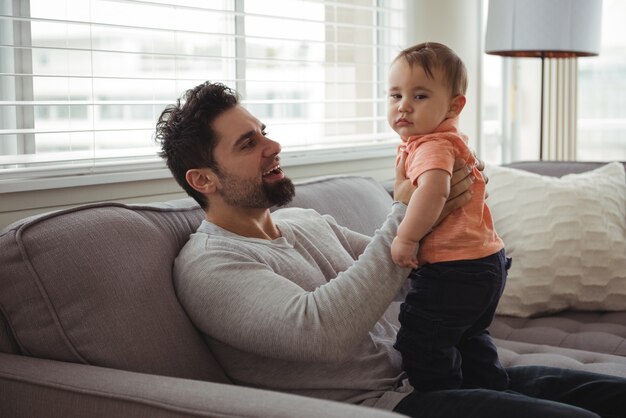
[468, 232]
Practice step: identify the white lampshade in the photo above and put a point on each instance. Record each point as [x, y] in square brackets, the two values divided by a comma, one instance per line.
[544, 28]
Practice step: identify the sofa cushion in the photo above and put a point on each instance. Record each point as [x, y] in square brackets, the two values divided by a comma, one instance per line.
[93, 285]
[7, 342]
[567, 238]
[600, 332]
[514, 353]
[545, 352]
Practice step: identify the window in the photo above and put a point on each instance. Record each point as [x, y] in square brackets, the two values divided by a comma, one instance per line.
[602, 92]
[84, 81]
[511, 99]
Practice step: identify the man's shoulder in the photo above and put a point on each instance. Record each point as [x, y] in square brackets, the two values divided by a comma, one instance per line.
[210, 238]
[207, 248]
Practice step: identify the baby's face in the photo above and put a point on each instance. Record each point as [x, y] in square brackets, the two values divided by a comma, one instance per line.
[416, 103]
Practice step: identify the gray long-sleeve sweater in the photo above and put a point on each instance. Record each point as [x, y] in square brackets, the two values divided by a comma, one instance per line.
[301, 314]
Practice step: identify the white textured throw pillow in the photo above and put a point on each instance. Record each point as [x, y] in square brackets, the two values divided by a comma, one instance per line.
[567, 238]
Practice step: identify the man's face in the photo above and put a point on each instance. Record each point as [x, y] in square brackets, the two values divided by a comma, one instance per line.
[417, 104]
[248, 171]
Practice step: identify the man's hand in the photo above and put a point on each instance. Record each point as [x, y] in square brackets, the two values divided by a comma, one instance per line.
[460, 183]
[402, 188]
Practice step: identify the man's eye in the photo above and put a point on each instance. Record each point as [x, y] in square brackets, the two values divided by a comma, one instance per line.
[249, 143]
[264, 133]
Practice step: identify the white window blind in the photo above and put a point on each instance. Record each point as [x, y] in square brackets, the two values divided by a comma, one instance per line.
[82, 82]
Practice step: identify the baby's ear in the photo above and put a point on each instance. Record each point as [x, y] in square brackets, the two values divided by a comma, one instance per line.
[456, 106]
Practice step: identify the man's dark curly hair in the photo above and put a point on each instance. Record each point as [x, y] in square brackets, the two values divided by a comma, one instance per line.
[185, 133]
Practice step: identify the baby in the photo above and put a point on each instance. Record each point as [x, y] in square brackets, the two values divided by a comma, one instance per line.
[459, 266]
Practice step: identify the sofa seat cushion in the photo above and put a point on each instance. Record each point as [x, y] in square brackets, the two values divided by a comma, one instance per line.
[602, 332]
[539, 352]
[93, 285]
[515, 353]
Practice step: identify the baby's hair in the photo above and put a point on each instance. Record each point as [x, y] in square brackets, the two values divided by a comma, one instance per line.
[433, 55]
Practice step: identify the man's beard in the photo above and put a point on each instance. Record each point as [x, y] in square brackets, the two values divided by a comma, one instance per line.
[249, 194]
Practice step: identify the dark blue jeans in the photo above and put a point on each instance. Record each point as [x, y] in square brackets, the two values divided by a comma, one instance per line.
[534, 391]
[443, 336]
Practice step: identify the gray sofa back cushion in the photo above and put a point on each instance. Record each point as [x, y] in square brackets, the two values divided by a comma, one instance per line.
[93, 285]
[359, 203]
[7, 342]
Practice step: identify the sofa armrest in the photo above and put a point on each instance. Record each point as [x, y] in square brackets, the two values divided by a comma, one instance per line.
[31, 387]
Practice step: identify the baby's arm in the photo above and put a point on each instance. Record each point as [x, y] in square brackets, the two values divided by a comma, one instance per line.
[423, 211]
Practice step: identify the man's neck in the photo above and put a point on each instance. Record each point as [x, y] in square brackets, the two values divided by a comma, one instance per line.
[247, 222]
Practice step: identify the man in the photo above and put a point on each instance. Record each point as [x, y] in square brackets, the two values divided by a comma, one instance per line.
[291, 301]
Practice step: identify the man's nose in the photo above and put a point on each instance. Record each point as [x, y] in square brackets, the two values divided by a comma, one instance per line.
[272, 148]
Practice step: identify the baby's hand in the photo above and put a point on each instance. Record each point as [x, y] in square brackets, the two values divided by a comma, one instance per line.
[404, 253]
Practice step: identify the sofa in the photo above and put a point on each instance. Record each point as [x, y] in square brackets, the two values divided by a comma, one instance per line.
[90, 324]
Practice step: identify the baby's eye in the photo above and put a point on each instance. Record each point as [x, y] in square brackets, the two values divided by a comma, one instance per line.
[421, 96]
[395, 96]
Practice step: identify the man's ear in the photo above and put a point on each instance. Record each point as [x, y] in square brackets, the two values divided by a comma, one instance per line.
[202, 180]
[456, 106]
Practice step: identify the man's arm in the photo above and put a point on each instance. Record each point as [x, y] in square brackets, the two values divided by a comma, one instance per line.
[239, 300]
